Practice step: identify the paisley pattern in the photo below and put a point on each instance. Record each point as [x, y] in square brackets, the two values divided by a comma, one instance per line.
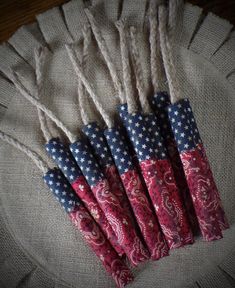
[202, 190]
[160, 102]
[105, 160]
[220, 214]
[83, 190]
[120, 222]
[92, 233]
[107, 200]
[135, 192]
[199, 176]
[101, 246]
[122, 276]
[117, 189]
[145, 218]
[182, 184]
[167, 203]
[148, 145]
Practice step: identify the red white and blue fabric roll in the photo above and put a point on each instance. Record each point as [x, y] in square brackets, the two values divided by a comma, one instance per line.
[91, 232]
[66, 162]
[136, 193]
[109, 203]
[160, 102]
[158, 175]
[104, 157]
[207, 203]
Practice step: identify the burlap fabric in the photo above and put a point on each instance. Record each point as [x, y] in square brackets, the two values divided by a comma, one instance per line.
[39, 246]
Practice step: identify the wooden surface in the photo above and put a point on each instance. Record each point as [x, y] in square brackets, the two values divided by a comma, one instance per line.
[15, 13]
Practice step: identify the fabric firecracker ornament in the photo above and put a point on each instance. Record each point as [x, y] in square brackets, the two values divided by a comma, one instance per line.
[64, 159]
[205, 196]
[95, 135]
[111, 146]
[78, 214]
[116, 215]
[89, 229]
[200, 180]
[160, 102]
[157, 140]
[103, 155]
[136, 193]
[80, 217]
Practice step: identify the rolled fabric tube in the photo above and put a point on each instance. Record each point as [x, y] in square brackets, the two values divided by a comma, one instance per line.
[158, 176]
[160, 102]
[206, 200]
[136, 193]
[104, 157]
[109, 203]
[220, 214]
[66, 162]
[202, 158]
[91, 232]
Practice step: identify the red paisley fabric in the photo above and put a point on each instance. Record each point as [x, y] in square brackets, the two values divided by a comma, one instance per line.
[202, 189]
[219, 211]
[121, 223]
[146, 220]
[164, 194]
[182, 185]
[115, 183]
[101, 246]
[83, 190]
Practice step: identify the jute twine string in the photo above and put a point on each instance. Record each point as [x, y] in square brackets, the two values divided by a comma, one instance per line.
[39, 60]
[167, 55]
[157, 69]
[104, 50]
[139, 72]
[41, 164]
[175, 6]
[79, 71]
[25, 93]
[126, 68]
[81, 91]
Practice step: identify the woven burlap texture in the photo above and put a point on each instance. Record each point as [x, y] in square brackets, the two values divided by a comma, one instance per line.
[40, 247]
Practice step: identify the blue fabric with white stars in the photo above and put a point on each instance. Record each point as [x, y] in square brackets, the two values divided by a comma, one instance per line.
[156, 137]
[64, 159]
[62, 189]
[138, 133]
[183, 125]
[160, 102]
[196, 135]
[119, 148]
[87, 162]
[151, 145]
[99, 144]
